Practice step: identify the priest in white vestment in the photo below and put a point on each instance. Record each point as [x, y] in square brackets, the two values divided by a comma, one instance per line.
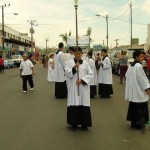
[59, 73]
[78, 74]
[137, 92]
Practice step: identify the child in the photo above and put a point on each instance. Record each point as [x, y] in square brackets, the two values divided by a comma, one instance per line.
[136, 92]
[78, 74]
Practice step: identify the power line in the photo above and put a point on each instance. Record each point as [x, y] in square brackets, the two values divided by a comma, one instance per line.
[123, 13]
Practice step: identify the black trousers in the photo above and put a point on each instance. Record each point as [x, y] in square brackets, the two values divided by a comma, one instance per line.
[2, 68]
[28, 78]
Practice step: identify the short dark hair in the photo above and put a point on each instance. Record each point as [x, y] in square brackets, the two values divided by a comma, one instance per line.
[71, 48]
[61, 45]
[90, 53]
[137, 53]
[104, 50]
[78, 49]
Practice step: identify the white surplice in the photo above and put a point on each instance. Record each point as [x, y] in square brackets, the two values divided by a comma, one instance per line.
[92, 65]
[59, 67]
[105, 72]
[136, 83]
[86, 74]
[50, 75]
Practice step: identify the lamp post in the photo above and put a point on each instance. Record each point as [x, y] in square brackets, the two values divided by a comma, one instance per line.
[32, 23]
[131, 24]
[106, 26]
[76, 16]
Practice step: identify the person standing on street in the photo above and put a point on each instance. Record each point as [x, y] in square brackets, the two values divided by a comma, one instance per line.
[59, 73]
[26, 73]
[137, 92]
[105, 76]
[123, 65]
[1, 65]
[79, 74]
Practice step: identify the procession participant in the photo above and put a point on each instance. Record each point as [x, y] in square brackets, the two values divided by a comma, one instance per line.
[59, 73]
[105, 76]
[79, 75]
[26, 73]
[93, 83]
[1, 65]
[123, 65]
[50, 76]
[69, 55]
[136, 92]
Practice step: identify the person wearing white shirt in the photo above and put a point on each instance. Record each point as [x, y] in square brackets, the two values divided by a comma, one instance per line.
[137, 92]
[26, 72]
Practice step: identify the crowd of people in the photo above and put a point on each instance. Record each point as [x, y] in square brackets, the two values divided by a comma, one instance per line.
[79, 77]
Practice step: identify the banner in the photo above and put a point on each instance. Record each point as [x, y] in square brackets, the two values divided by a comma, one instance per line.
[82, 40]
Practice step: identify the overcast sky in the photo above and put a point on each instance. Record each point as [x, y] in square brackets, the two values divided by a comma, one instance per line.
[55, 17]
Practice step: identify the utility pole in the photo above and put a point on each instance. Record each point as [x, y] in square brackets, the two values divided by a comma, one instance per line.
[32, 23]
[116, 43]
[46, 45]
[131, 24]
[98, 15]
[107, 30]
[3, 24]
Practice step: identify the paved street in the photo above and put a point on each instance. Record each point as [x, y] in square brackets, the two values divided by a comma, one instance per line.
[37, 121]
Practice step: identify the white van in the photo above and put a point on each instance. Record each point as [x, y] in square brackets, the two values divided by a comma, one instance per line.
[17, 59]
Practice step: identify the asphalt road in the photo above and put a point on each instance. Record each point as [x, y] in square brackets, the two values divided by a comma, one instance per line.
[37, 121]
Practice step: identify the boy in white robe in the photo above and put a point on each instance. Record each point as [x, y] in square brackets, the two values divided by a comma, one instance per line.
[136, 92]
[105, 76]
[50, 75]
[93, 83]
[78, 74]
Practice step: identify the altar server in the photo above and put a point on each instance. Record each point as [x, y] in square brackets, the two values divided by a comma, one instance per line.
[79, 74]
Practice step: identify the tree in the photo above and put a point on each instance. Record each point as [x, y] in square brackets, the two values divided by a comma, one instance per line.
[88, 33]
[64, 36]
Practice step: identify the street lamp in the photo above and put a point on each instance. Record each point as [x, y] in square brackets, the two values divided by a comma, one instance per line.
[32, 23]
[76, 15]
[98, 15]
[131, 24]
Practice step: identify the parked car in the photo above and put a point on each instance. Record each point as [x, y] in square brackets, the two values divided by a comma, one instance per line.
[6, 64]
[11, 63]
[17, 59]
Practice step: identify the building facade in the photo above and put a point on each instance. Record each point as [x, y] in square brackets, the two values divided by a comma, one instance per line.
[14, 42]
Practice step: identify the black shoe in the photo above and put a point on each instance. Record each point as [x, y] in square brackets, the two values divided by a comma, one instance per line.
[74, 127]
[85, 128]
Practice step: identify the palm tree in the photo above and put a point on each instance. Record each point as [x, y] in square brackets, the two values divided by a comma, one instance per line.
[64, 36]
[88, 33]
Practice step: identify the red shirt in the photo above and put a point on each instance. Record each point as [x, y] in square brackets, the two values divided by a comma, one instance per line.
[1, 61]
[148, 63]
